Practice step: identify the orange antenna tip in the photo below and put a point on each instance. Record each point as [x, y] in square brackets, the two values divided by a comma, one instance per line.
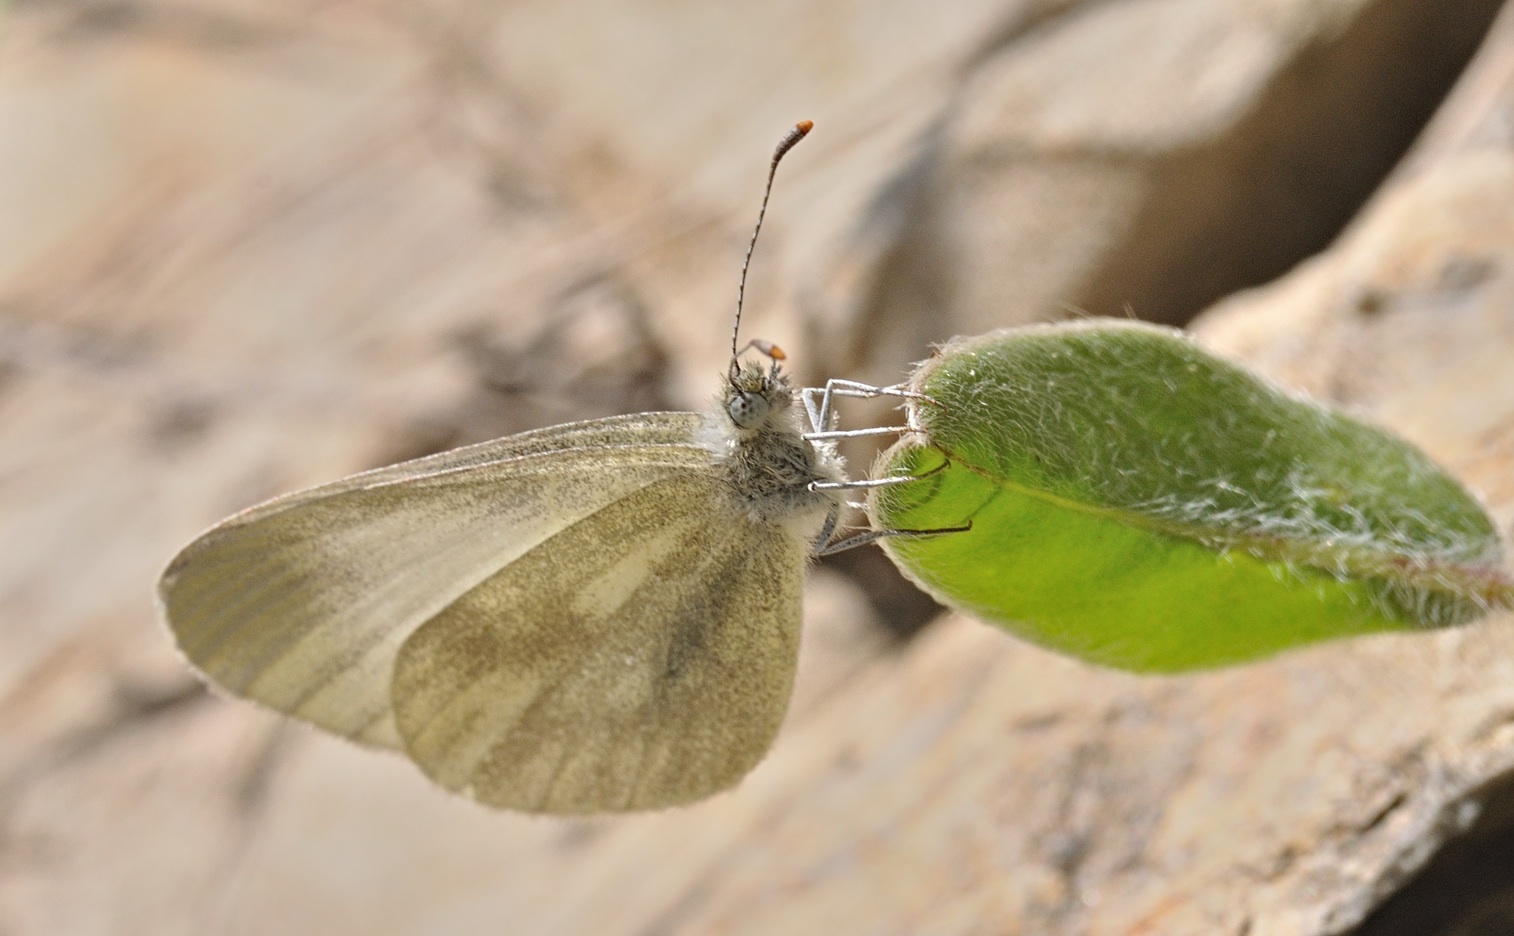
[764, 347]
[801, 129]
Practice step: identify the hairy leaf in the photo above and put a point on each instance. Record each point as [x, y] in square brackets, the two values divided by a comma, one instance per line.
[1137, 502]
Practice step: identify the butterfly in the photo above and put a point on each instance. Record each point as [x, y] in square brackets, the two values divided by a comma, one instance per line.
[597, 616]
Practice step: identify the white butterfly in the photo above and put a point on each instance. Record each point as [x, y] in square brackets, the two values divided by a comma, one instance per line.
[596, 616]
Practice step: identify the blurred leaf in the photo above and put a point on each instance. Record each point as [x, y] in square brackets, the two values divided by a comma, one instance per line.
[1140, 503]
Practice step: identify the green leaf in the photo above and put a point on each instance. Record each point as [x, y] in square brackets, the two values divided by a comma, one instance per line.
[1139, 503]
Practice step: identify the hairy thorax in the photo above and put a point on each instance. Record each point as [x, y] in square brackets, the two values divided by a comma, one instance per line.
[770, 473]
[755, 435]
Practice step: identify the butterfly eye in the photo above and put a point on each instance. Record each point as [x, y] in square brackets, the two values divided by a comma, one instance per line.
[747, 410]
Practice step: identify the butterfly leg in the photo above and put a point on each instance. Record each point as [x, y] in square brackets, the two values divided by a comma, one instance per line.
[823, 544]
[872, 482]
[822, 539]
[872, 536]
[819, 406]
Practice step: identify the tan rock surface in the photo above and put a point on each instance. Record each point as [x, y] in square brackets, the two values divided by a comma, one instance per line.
[246, 247]
[1149, 157]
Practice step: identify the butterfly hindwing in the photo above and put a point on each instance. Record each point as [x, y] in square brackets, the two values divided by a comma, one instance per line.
[303, 602]
[640, 658]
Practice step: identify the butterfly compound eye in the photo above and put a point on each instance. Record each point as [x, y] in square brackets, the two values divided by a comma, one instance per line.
[747, 410]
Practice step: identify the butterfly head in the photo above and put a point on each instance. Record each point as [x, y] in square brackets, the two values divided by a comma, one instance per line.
[758, 398]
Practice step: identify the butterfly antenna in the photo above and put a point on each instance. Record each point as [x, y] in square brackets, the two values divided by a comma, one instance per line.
[784, 145]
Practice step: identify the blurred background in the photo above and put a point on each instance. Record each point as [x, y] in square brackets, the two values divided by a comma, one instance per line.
[247, 247]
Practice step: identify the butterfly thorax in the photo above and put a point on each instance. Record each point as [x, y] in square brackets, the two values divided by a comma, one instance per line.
[756, 436]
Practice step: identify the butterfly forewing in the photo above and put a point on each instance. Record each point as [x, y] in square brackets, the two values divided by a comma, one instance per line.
[641, 657]
[302, 603]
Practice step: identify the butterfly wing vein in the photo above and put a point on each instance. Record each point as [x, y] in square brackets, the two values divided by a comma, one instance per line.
[569, 620]
[641, 659]
[302, 603]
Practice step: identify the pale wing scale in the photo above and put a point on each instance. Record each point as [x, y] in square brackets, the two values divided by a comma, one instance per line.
[641, 658]
[303, 602]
